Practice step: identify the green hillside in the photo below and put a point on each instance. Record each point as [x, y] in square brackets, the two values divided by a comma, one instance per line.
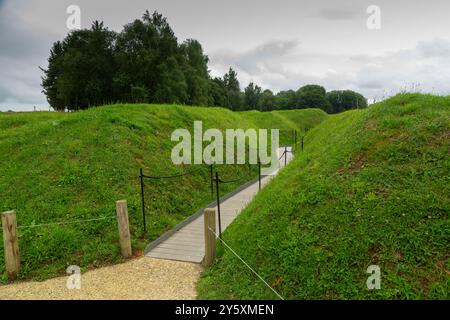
[371, 188]
[62, 167]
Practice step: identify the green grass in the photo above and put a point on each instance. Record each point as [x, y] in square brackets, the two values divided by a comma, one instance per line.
[372, 187]
[59, 167]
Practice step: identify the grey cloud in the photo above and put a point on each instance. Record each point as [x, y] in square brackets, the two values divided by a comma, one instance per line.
[329, 44]
[338, 13]
[255, 60]
[426, 66]
[23, 50]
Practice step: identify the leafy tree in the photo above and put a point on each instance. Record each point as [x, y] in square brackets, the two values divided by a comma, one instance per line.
[145, 53]
[217, 93]
[234, 97]
[340, 101]
[171, 86]
[144, 63]
[195, 72]
[267, 101]
[286, 99]
[139, 94]
[252, 95]
[231, 81]
[312, 96]
[81, 69]
[49, 80]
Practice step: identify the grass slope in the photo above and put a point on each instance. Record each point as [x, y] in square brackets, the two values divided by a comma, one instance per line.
[58, 167]
[372, 187]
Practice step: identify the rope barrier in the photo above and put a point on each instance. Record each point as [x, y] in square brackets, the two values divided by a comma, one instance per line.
[173, 176]
[236, 180]
[63, 223]
[245, 263]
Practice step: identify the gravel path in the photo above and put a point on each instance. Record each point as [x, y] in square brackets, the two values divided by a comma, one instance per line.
[142, 278]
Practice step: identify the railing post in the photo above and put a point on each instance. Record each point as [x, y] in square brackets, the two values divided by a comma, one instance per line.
[259, 173]
[124, 228]
[295, 139]
[143, 201]
[11, 245]
[209, 217]
[218, 204]
[285, 155]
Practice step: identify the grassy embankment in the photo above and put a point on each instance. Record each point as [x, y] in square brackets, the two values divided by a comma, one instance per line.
[63, 167]
[371, 188]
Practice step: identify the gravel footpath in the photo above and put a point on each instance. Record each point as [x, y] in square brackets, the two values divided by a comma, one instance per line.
[142, 278]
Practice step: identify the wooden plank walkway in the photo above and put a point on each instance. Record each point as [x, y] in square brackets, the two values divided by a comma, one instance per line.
[188, 243]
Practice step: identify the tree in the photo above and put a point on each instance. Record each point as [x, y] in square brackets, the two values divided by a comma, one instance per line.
[139, 94]
[286, 99]
[267, 101]
[312, 96]
[146, 53]
[252, 95]
[144, 63]
[340, 101]
[231, 81]
[49, 80]
[195, 69]
[81, 69]
[234, 97]
[171, 86]
[217, 93]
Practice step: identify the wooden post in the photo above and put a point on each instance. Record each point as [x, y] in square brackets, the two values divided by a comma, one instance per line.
[209, 216]
[124, 229]
[11, 245]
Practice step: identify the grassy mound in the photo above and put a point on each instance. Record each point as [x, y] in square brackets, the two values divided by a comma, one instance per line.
[58, 167]
[371, 188]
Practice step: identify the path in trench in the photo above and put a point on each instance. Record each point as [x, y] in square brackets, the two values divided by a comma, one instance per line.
[155, 276]
[188, 243]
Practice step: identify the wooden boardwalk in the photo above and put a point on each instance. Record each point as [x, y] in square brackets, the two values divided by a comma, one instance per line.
[188, 243]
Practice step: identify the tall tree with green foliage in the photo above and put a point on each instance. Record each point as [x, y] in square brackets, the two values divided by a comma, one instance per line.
[81, 69]
[217, 91]
[343, 100]
[51, 74]
[144, 63]
[195, 69]
[252, 96]
[147, 55]
[234, 97]
[312, 96]
[286, 99]
[267, 101]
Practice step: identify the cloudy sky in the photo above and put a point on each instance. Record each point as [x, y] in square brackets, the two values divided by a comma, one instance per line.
[281, 44]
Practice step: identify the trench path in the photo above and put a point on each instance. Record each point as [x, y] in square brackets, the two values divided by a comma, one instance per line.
[188, 242]
[154, 276]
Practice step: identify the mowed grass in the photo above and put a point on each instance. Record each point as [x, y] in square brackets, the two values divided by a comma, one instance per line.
[371, 188]
[60, 167]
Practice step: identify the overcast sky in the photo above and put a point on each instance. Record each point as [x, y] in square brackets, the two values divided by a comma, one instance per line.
[279, 45]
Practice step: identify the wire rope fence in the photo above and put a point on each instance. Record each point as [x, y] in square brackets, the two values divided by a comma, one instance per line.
[212, 180]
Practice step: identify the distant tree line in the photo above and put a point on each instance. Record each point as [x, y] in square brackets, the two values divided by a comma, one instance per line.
[144, 63]
[308, 96]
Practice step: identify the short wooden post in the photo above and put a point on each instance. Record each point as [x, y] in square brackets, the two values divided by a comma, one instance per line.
[124, 228]
[11, 245]
[209, 216]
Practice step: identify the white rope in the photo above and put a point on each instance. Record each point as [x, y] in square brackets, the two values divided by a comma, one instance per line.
[62, 223]
[246, 264]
